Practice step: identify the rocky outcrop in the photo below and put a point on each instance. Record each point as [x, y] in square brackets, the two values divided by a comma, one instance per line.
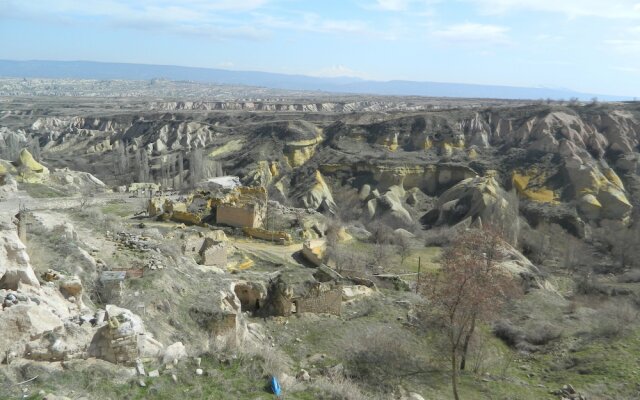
[123, 339]
[472, 199]
[50, 322]
[15, 269]
[318, 196]
[389, 208]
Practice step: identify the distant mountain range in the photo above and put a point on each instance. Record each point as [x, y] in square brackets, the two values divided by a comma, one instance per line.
[107, 71]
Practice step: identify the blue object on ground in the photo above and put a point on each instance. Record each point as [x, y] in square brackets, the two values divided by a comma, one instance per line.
[275, 386]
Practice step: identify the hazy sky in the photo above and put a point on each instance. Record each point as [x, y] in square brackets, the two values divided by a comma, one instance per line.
[585, 45]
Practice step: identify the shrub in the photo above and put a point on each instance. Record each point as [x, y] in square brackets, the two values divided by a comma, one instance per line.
[542, 333]
[615, 319]
[504, 330]
[339, 388]
[379, 354]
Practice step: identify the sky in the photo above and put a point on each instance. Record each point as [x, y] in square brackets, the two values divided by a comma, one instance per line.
[589, 46]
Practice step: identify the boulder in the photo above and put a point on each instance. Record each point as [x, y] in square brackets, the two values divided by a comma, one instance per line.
[389, 206]
[66, 230]
[356, 292]
[24, 322]
[173, 353]
[480, 198]
[71, 286]
[8, 184]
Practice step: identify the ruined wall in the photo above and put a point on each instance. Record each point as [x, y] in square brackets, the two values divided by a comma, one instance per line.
[238, 216]
[264, 234]
[213, 253]
[325, 302]
[186, 217]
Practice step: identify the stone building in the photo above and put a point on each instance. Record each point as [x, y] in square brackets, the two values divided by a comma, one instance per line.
[245, 208]
[213, 252]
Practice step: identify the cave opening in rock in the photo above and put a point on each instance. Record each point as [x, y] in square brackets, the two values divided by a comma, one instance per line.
[249, 296]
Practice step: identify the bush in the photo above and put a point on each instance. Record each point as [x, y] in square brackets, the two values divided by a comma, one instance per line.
[380, 354]
[542, 333]
[615, 319]
[505, 331]
[439, 236]
[339, 388]
[632, 276]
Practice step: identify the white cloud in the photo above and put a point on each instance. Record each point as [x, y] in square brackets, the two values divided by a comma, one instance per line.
[216, 19]
[616, 9]
[472, 32]
[311, 22]
[392, 5]
[413, 6]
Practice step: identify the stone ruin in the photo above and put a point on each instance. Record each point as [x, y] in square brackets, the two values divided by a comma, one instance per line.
[50, 322]
[123, 339]
[322, 298]
[237, 207]
[207, 248]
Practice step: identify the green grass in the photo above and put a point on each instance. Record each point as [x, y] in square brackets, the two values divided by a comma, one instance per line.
[40, 191]
[119, 209]
[239, 379]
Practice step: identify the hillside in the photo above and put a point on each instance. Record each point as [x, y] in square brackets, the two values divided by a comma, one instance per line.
[139, 267]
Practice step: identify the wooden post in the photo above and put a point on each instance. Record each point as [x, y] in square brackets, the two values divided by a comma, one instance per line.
[418, 278]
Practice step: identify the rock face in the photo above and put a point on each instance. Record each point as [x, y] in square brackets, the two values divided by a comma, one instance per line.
[571, 157]
[473, 199]
[15, 269]
[318, 196]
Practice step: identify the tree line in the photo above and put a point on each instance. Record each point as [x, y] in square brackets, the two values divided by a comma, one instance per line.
[176, 170]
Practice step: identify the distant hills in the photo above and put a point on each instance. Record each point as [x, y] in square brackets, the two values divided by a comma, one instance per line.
[108, 71]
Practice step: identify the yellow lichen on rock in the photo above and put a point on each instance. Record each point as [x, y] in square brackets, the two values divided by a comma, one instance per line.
[314, 251]
[343, 235]
[300, 151]
[524, 184]
[390, 142]
[274, 169]
[246, 263]
[154, 207]
[186, 217]
[29, 170]
[229, 147]
[613, 178]
[264, 234]
[27, 160]
[297, 156]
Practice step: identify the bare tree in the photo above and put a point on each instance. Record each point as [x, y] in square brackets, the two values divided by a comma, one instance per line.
[180, 170]
[403, 244]
[142, 166]
[195, 167]
[469, 289]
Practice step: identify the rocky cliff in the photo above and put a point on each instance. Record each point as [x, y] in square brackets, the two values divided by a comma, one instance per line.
[581, 159]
